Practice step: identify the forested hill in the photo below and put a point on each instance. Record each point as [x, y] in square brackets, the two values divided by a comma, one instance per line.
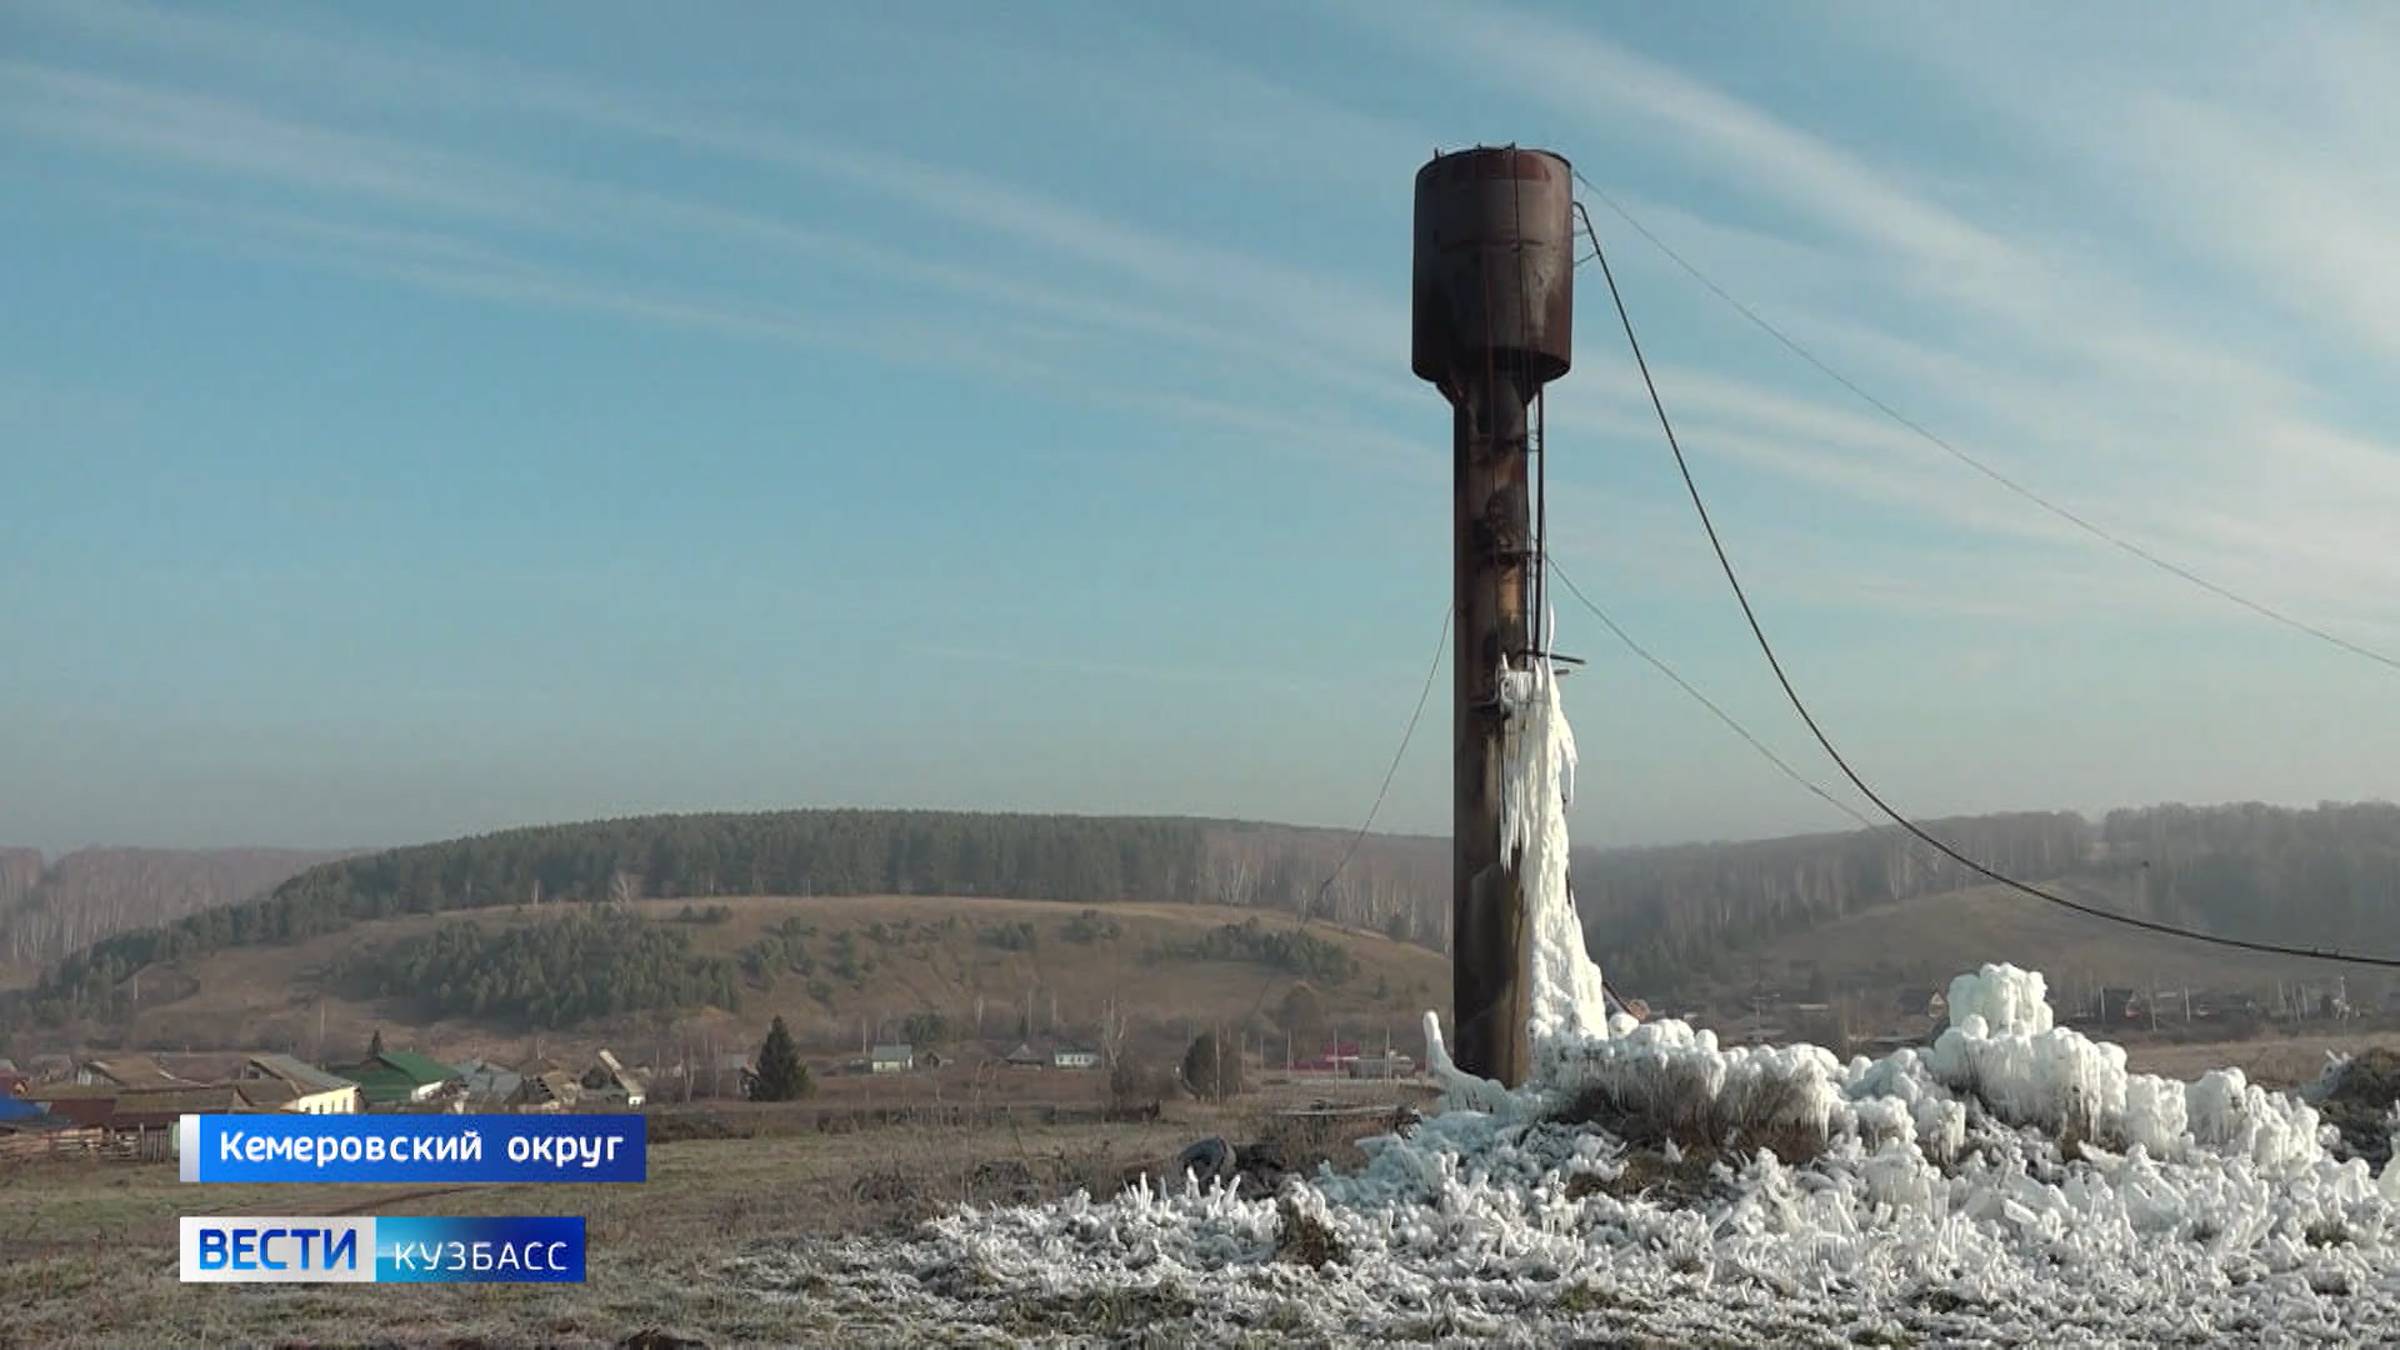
[1663, 912]
[2327, 875]
[1079, 859]
[50, 907]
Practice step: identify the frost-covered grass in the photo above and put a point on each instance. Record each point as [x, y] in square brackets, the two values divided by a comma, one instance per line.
[87, 1250]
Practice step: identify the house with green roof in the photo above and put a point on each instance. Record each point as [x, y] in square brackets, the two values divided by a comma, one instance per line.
[314, 1091]
[401, 1078]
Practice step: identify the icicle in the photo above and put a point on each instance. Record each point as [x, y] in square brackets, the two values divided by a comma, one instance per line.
[1569, 998]
[1460, 1090]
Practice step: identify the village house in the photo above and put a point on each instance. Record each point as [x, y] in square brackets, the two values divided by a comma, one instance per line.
[549, 1091]
[488, 1082]
[1025, 1057]
[127, 1071]
[154, 1111]
[39, 1134]
[402, 1078]
[896, 1057]
[28, 1131]
[608, 1080]
[1074, 1057]
[314, 1091]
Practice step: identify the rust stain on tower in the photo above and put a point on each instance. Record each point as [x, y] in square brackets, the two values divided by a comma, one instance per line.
[1494, 306]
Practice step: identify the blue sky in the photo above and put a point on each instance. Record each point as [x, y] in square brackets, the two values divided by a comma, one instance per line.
[425, 419]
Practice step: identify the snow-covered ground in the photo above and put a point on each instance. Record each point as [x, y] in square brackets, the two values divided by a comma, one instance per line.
[2011, 1183]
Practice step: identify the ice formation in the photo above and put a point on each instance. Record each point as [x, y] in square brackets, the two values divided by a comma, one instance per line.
[1538, 749]
[2011, 1183]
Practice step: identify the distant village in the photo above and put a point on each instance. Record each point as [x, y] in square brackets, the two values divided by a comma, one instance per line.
[127, 1105]
[1913, 1014]
[130, 1103]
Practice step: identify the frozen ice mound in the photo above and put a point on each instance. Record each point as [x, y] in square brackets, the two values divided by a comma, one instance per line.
[2009, 1184]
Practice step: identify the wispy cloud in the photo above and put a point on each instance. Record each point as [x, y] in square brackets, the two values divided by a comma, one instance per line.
[222, 136]
[2071, 385]
[99, 112]
[1364, 325]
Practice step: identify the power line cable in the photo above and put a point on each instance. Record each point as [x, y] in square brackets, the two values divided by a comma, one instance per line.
[1407, 734]
[1734, 580]
[1391, 771]
[1781, 764]
[2067, 514]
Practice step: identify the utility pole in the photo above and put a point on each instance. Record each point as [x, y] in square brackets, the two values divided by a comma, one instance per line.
[1493, 313]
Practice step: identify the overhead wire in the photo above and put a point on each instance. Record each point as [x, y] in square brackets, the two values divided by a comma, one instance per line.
[1979, 465]
[1800, 706]
[1732, 724]
[1374, 808]
[1392, 770]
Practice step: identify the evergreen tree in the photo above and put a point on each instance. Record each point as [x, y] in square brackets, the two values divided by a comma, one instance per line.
[781, 1075]
[1212, 1069]
[375, 1043]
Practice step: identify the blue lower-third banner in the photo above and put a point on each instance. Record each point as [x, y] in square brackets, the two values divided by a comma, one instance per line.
[413, 1250]
[417, 1149]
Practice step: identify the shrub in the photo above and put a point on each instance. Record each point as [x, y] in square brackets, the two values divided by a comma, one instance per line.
[926, 1029]
[1008, 937]
[1090, 926]
[1303, 954]
[1212, 1070]
[1133, 1083]
[1677, 1106]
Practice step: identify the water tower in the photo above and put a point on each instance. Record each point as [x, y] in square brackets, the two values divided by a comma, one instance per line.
[1494, 306]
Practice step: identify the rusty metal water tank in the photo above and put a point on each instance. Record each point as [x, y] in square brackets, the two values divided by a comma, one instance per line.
[1494, 283]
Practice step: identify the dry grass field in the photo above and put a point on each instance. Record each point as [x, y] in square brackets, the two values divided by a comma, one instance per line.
[2275, 1059]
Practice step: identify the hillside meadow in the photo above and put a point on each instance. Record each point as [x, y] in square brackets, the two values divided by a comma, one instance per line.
[916, 955]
